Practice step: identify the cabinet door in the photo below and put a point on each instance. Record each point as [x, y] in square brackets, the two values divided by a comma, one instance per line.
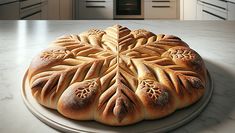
[36, 16]
[219, 3]
[97, 9]
[199, 11]
[10, 11]
[231, 11]
[66, 9]
[190, 8]
[44, 8]
[212, 14]
[54, 9]
[160, 9]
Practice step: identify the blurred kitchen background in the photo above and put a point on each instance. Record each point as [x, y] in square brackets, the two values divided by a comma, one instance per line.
[117, 9]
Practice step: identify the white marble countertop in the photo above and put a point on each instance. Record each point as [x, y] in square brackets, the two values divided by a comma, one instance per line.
[213, 40]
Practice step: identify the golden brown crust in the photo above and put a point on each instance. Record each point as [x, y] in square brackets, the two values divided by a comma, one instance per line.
[79, 99]
[117, 76]
[156, 98]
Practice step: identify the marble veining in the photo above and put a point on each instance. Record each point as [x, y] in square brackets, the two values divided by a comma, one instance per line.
[20, 41]
[6, 97]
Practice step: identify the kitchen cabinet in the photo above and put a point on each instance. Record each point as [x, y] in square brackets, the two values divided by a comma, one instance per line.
[30, 10]
[9, 10]
[199, 10]
[216, 10]
[53, 9]
[231, 10]
[212, 10]
[44, 9]
[60, 9]
[160, 9]
[212, 14]
[95, 9]
[36, 16]
[66, 9]
[189, 9]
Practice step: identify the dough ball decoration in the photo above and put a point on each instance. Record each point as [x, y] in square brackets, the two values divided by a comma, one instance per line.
[117, 76]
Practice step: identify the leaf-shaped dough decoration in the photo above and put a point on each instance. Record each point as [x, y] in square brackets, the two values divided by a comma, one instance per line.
[117, 76]
[78, 98]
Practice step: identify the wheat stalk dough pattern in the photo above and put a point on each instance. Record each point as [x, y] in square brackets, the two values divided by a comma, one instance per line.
[117, 76]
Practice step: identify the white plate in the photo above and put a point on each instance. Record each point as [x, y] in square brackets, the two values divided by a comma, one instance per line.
[57, 121]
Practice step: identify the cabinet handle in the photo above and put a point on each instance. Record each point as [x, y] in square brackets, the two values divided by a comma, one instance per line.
[231, 2]
[223, 0]
[165, 1]
[31, 14]
[8, 3]
[214, 15]
[161, 1]
[37, 4]
[95, 6]
[88, 1]
[161, 6]
[213, 5]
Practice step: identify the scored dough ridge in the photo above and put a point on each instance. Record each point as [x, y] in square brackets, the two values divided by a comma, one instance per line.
[117, 76]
